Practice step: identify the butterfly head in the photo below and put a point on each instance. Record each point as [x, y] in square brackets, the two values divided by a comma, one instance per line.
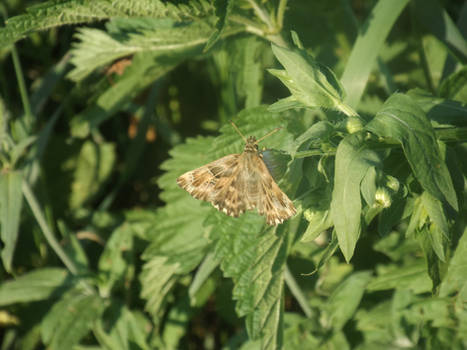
[251, 144]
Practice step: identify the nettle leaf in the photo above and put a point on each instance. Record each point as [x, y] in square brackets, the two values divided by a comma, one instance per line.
[403, 120]
[125, 37]
[56, 13]
[254, 257]
[178, 239]
[455, 87]
[353, 159]
[311, 84]
[223, 11]
[70, 319]
[11, 199]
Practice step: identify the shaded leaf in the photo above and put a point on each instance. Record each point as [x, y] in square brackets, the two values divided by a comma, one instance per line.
[353, 160]
[39, 284]
[403, 120]
[11, 199]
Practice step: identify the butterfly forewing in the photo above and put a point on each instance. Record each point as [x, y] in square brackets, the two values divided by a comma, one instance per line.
[239, 182]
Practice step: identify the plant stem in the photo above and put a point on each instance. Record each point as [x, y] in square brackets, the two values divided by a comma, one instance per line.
[297, 292]
[22, 89]
[49, 236]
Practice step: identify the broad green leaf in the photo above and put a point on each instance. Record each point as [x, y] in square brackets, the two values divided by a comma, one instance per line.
[70, 319]
[456, 276]
[401, 119]
[411, 276]
[345, 299]
[39, 284]
[11, 199]
[370, 40]
[311, 84]
[115, 262]
[122, 329]
[94, 166]
[353, 160]
[208, 265]
[433, 249]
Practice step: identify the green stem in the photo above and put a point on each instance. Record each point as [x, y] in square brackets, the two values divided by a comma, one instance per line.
[297, 292]
[22, 89]
[49, 236]
[280, 13]
[262, 14]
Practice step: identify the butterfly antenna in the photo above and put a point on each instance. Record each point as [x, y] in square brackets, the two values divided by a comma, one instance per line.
[267, 135]
[238, 130]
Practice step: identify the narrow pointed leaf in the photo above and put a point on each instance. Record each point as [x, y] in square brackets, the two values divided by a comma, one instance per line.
[352, 162]
[401, 119]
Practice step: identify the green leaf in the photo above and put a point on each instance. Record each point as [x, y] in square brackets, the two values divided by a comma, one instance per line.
[345, 299]
[353, 160]
[122, 328]
[178, 239]
[439, 230]
[456, 276]
[11, 199]
[52, 14]
[76, 312]
[126, 37]
[254, 258]
[223, 11]
[94, 166]
[311, 84]
[436, 19]
[411, 276]
[39, 284]
[369, 42]
[401, 119]
[115, 262]
[455, 86]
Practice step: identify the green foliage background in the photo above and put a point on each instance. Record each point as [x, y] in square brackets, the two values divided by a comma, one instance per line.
[103, 104]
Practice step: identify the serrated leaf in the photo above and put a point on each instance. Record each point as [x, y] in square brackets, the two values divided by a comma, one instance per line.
[177, 235]
[39, 284]
[353, 160]
[223, 11]
[403, 120]
[254, 258]
[122, 328]
[311, 84]
[75, 312]
[345, 299]
[94, 166]
[11, 199]
[456, 276]
[115, 262]
[52, 13]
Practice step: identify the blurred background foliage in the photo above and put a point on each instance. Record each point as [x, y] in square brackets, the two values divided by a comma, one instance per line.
[103, 104]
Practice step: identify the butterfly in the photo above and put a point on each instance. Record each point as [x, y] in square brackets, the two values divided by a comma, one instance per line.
[240, 182]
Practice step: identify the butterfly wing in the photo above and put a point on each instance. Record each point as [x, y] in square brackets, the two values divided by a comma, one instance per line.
[267, 197]
[206, 182]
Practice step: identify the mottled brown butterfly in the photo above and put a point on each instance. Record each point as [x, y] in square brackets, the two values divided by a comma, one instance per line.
[240, 182]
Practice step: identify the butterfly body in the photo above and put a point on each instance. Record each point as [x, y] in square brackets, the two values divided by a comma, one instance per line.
[239, 182]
